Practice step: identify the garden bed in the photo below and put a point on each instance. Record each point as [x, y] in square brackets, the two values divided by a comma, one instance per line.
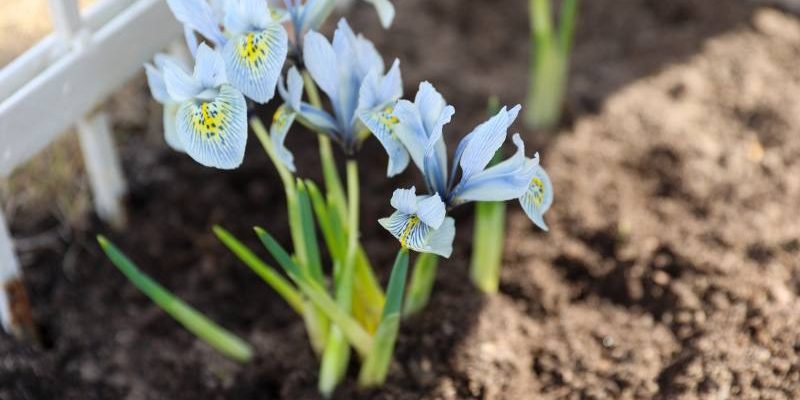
[672, 268]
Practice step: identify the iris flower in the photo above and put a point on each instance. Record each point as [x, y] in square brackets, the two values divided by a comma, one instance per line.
[351, 73]
[155, 79]
[253, 43]
[210, 120]
[419, 125]
[420, 223]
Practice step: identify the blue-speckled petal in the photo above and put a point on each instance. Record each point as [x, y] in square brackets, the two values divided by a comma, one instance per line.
[381, 123]
[254, 60]
[281, 122]
[538, 198]
[214, 132]
[416, 235]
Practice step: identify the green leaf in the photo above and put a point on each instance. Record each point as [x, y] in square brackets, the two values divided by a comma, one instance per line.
[309, 234]
[216, 336]
[267, 273]
[358, 337]
[376, 365]
[421, 286]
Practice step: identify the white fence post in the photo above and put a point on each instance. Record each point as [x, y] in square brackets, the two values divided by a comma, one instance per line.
[94, 131]
[59, 83]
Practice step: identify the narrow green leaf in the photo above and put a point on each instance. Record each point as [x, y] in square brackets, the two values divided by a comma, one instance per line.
[421, 286]
[309, 233]
[358, 337]
[331, 234]
[376, 365]
[267, 273]
[216, 336]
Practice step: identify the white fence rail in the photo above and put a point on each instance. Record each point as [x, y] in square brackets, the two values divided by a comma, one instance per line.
[60, 83]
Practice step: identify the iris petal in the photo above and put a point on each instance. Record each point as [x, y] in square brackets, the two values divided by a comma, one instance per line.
[199, 15]
[214, 132]
[254, 61]
[484, 141]
[504, 181]
[418, 236]
[321, 62]
[385, 11]
[405, 200]
[538, 198]
[381, 123]
[281, 122]
[170, 126]
[431, 211]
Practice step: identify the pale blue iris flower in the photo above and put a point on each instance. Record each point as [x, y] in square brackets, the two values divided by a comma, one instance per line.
[420, 223]
[155, 79]
[211, 118]
[351, 73]
[419, 128]
[253, 44]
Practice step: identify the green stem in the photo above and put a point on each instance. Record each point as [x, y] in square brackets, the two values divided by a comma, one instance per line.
[337, 352]
[549, 63]
[219, 338]
[487, 250]
[421, 286]
[316, 322]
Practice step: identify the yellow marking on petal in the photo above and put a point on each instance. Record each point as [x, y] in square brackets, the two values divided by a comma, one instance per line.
[253, 49]
[387, 118]
[412, 222]
[280, 118]
[208, 120]
[537, 191]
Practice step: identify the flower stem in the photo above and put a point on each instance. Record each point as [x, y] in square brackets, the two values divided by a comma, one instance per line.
[487, 250]
[550, 54]
[421, 286]
[337, 351]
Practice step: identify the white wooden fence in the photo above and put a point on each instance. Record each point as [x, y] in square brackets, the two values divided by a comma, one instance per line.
[61, 83]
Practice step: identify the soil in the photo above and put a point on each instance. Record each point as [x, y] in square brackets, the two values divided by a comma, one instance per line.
[671, 270]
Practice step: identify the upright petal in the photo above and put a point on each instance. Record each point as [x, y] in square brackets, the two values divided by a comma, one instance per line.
[314, 13]
[254, 60]
[538, 198]
[214, 133]
[483, 142]
[504, 181]
[385, 11]
[281, 122]
[199, 15]
[321, 62]
[180, 85]
[155, 80]
[405, 200]
[410, 131]
[431, 211]
[295, 88]
[209, 69]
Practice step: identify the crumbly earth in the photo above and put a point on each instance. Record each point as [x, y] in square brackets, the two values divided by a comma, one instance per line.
[671, 270]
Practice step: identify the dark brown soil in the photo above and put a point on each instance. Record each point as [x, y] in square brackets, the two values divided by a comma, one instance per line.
[672, 269]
